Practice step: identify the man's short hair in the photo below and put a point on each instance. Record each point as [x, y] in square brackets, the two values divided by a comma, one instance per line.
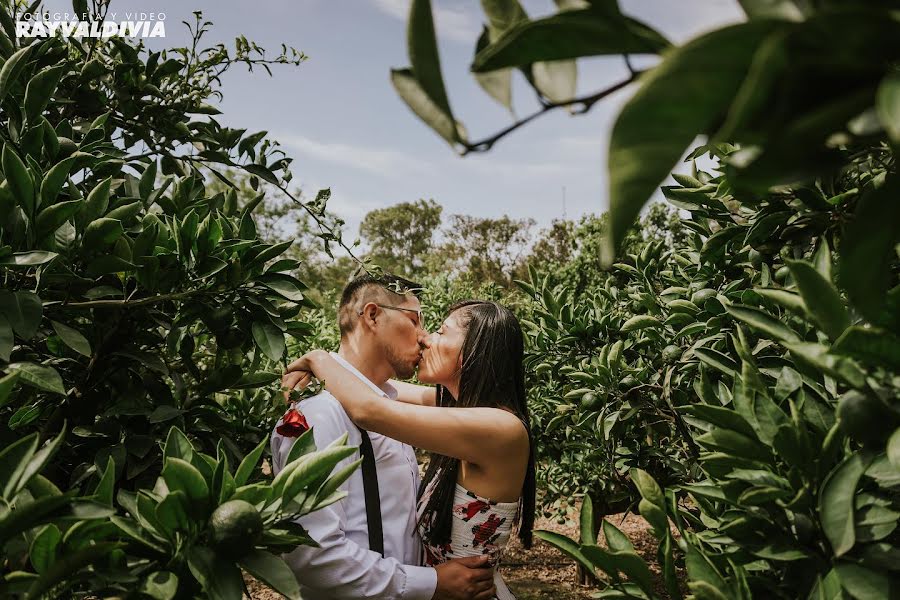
[385, 288]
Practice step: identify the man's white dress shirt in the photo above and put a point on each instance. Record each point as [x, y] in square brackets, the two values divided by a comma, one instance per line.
[343, 566]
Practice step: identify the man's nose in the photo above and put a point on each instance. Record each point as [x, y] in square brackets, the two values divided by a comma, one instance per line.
[424, 339]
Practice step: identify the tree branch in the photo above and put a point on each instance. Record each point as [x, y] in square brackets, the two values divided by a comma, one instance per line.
[587, 103]
[127, 303]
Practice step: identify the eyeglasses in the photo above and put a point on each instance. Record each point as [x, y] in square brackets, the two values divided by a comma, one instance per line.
[418, 313]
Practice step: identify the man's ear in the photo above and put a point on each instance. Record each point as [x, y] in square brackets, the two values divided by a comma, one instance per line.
[369, 315]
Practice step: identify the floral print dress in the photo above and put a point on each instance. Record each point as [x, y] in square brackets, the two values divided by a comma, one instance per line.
[480, 526]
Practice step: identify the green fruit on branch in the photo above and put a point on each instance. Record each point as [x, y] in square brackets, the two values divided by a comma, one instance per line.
[591, 401]
[628, 382]
[66, 148]
[671, 354]
[865, 418]
[235, 527]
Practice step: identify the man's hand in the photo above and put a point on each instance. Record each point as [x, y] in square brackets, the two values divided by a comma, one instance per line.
[465, 579]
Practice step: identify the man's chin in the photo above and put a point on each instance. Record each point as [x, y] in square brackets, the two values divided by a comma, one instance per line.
[406, 371]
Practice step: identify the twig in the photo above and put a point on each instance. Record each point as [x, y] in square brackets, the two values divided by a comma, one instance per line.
[128, 303]
[587, 103]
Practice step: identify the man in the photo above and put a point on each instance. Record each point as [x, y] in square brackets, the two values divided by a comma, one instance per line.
[380, 332]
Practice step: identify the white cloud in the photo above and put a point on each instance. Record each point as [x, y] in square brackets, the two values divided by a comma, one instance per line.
[454, 22]
[381, 161]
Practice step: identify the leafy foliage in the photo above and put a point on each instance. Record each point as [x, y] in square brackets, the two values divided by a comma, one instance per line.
[140, 302]
[161, 542]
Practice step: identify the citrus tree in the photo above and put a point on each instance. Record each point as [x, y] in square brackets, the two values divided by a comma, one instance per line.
[137, 304]
[771, 332]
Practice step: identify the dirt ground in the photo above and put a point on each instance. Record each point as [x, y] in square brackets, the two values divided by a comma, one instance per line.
[542, 573]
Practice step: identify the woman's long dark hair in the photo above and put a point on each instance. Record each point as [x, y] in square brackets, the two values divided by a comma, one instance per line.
[492, 375]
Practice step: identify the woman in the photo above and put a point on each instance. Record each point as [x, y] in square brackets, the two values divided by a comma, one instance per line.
[480, 479]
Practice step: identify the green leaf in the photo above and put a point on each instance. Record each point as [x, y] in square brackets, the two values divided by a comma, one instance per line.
[311, 469]
[102, 232]
[182, 475]
[719, 416]
[6, 385]
[39, 376]
[871, 345]
[285, 289]
[26, 414]
[423, 55]
[160, 585]
[629, 563]
[147, 181]
[103, 493]
[269, 339]
[72, 338]
[640, 322]
[109, 263]
[839, 367]
[42, 551]
[568, 35]
[762, 322]
[442, 122]
[255, 380]
[784, 298]
[887, 104]
[567, 546]
[171, 513]
[220, 578]
[23, 310]
[836, 502]
[39, 460]
[821, 299]
[863, 583]
[772, 9]
[867, 249]
[68, 564]
[557, 80]
[701, 569]
[893, 448]
[50, 218]
[249, 464]
[7, 341]
[302, 446]
[96, 204]
[587, 524]
[615, 539]
[735, 444]
[717, 360]
[28, 259]
[11, 70]
[648, 487]
[498, 84]
[14, 459]
[262, 172]
[40, 89]
[19, 179]
[273, 571]
[178, 446]
[336, 479]
[683, 96]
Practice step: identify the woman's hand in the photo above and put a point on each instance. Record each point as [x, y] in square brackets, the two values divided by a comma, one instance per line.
[299, 374]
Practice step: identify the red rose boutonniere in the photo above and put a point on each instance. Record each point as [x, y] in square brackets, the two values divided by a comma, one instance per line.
[293, 424]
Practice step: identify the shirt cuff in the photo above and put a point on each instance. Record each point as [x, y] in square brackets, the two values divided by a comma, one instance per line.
[421, 582]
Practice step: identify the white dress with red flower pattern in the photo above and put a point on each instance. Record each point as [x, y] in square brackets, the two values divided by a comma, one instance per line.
[480, 526]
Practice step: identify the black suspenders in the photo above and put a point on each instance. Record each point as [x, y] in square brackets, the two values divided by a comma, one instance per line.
[373, 499]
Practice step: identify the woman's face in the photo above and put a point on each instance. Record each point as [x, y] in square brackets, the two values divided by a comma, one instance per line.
[442, 355]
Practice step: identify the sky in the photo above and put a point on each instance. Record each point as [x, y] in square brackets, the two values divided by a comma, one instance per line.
[339, 117]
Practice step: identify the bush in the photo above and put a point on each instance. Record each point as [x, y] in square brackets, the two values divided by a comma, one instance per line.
[137, 305]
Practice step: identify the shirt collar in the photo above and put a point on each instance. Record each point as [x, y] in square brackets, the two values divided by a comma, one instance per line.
[387, 390]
